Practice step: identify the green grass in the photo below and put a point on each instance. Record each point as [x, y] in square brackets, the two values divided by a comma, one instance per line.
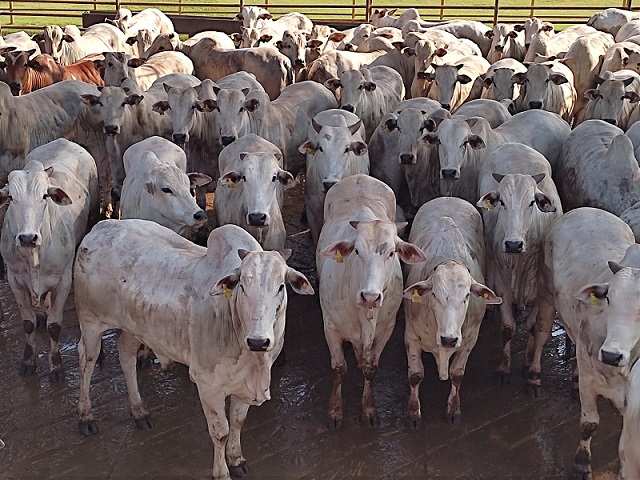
[63, 12]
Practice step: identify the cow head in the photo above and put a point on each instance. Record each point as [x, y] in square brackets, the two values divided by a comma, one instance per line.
[445, 79]
[112, 104]
[619, 298]
[29, 194]
[500, 85]
[516, 202]
[260, 177]
[165, 42]
[259, 297]
[607, 101]
[17, 68]
[501, 37]
[231, 114]
[356, 85]
[408, 125]
[52, 38]
[536, 81]
[293, 46]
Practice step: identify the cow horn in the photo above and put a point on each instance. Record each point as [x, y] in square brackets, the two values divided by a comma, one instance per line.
[316, 126]
[355, 127]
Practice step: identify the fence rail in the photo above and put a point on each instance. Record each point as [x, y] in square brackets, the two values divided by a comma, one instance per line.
[32, 15]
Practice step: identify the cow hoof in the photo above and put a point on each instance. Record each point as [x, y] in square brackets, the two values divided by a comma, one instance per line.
[536, 390]
[240, 470]
[56, 375]
[335, 423]
[580, 474]
[413, 422]
[453, 419]
[144, 362]
[26, 369]
[504, 378]
[87, 427]
[373, 422]
[281, 360]
[143, 423]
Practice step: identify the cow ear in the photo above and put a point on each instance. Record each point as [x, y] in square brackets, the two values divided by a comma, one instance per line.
[4, 196]
[519, 78]
[298, 282]
[198, 179]
[333, 84]
[68, 38]
[338, 250]
[245, 91]
[489, 200]
[419, 289]
[409, 52]
[134, 99]
[518, 28]
[593, 294]
[613, 266]
[391, 12]
[337, 37]
[226, 284]
[48, 171]
[497, 176]
[167, 88]
[359, 148]
[488, 34]
[633, 97]
[131, 40]
[58, 196]
[252, 104]
[476, 142]
[207, 105]
[558, 78]
[90, 100]
[369, 86]
[431, 138]
[315, 43]
[592, 94]
[279, 43]
[512, 34]
[3, 65]
[544, 203]
[464, 79]
[390, 125]
[150, 187]
[135, 62]
[409, 253]
[308, 147]
[286, 179]
[627, 81]
[440, 52]
[161, 107]
[265, 16]
[230, 179]
[38, 37]
[99, 64]
[488, 81]
[489, 296]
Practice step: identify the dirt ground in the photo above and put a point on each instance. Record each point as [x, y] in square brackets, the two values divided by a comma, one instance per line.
[504, 433]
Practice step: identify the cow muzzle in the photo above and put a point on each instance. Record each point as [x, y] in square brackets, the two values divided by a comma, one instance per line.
[499, 48]
[200, 217]
[28, 240]
[422, 75]
[180, 138]
[16, 88]
[258, 344]
[535, 105]
[612, 121]
[612, 358]
[407, 159]
[446, 106]
[514, 246]
[370, 299]
[450, 174]
[327, 186]
[449, 342]
[258, 219]
[111, 130]
[349, 108]
[299, 63]
[227, 140]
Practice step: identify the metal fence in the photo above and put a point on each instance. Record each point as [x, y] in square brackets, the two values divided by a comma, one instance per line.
[31, 15]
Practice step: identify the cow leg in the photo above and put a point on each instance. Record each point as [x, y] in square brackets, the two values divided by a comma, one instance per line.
[88, 353]
[58, 297]
[23, 299]
[508, 330]
[540, 332]
[237, 415]
[589, 420]
[213, 405]
[368, 363]
[127, 352]
[339, 366]
[144, 358]
[416, 374]
[456, 373]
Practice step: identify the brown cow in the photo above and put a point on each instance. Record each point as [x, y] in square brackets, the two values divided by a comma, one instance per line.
[25, 76]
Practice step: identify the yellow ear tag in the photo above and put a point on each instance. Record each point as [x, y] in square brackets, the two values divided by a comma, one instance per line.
[227, 292]
[595, 301]
[338, 257]
[489, 205]
[232, 184]
[415, 297]
[486, 295]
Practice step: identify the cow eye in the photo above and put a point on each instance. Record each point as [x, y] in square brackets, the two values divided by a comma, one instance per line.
[356, 251]
[242, 288]
[244, 179]
[160, 48]
[241, 110]
[273, 179]
[502, 203]
[166, 190]
[281, 288]
[391, 253]
[360, 87]
[366, 36]
[467, 297]
[111, 64]
[532, 202]
[44, 197]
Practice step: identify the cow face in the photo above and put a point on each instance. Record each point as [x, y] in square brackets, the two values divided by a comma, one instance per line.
[231, 114]
[424, 52]
[112, 104]
[448, 291]
[516, 202]
[165, 42]
[333, 155]
[632, 60]
[143, 39]
[52, 41]
[258, 178]
[259, 296]
[501, 37]
[115, 67]
[355, 87]
[361, 36]
[500, 85]
[294, 47]
[17, 69]
[620, 299]
[446, 79]
[170, 191]
[607, 101]
[30, 194]
[409, 125]
[537, 81]
[254, 17]
[373, 255]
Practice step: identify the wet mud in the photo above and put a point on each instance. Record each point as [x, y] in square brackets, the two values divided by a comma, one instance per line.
[504, 432]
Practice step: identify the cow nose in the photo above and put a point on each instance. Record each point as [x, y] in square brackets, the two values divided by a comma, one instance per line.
[446, 106]
[328, 185]
[15, 88]
[349, 108]
[612, 121]
[179, 138]
[111, 129]
[499, 48]
[227, 140]
[422, 75]
[610, 358]
[199, 216]
[299, 63]
[448, 341]
[449, 173]
[371, 299]
[258, 344]
[535, 105]
[406, 159]
[28, 240]
[257, 219]
[513, 246]
[350, 47]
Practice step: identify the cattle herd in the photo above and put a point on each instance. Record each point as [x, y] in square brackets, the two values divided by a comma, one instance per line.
[481, 137]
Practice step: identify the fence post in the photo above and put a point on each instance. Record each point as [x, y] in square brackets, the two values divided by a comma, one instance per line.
[10, 12]
[628, 2]
[367, 13]
[496, 7]
[441, 9]
[117, 5]
[533, 8]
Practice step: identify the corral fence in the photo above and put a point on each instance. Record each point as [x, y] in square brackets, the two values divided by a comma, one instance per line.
[32, 15]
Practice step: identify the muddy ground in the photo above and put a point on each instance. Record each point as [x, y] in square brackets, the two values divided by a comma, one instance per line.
[504, 433]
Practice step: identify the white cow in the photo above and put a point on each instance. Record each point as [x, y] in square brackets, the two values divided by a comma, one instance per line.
[369, 92]
[497, 83]
[628, 30]
[533, 26]
[630, 438]
[331, 63]
[545, 45]
[452, 83]
[219, 310]
[506, 41]
[150, 19]
[597, 302]
[51, 201]
[258, 17]
[611, 19]
[251, 189]
[598, 168]
[519, 204]
[617, 57]
[358, 258]
[335, 149]
[445, 300]
[471, 30]
[157, 188]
